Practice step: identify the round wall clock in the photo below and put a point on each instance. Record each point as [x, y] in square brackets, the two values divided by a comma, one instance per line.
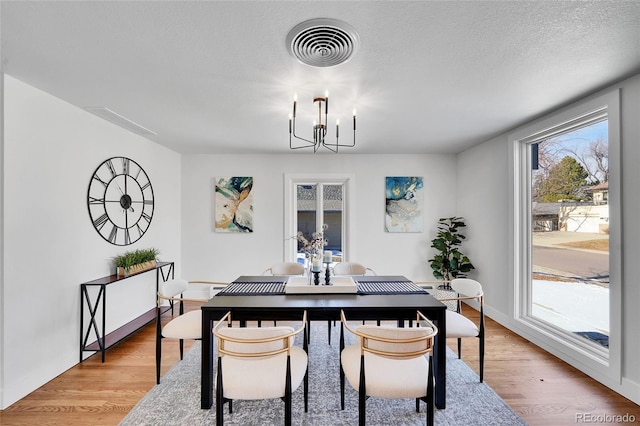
[120, 201]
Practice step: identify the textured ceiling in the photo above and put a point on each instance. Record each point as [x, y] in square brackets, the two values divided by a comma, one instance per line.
[216, 77]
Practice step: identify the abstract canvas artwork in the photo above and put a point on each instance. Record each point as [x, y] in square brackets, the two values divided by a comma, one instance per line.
[234, 204]
[404, 205]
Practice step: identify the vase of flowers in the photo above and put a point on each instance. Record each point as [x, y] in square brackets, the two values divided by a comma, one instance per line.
[312, 248]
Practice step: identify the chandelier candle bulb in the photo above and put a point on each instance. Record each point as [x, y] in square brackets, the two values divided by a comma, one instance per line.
[295, 101]
[326, 102]
[337, 127]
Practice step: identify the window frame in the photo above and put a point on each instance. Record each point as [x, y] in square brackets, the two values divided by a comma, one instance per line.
[291, 181]
[585, 356]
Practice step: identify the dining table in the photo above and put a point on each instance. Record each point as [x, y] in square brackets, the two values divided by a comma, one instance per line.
[377, 298]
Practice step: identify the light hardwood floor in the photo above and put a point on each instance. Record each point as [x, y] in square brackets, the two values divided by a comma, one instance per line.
[542, 389]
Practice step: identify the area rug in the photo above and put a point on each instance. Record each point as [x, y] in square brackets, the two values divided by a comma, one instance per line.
[176, 401]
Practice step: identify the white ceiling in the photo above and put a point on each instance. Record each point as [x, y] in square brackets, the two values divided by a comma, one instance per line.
[216, 77]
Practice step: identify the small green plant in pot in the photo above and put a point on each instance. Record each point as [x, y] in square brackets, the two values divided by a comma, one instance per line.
[133, 262]
[449, 263]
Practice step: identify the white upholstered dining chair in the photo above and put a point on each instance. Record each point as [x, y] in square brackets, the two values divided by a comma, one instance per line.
[458, 325]
[389, 362]
[352, 268]
[259, 363]
[285, 268]
[184, 325]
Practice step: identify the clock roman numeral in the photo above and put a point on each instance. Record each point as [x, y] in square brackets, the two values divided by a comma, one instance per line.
[99, 222]
[96, 177]
[93, 200]
[148, 202]
[113, 235]
[146, 217]
[112, 169]
[148, 184]
[126, 163]
[127, 237]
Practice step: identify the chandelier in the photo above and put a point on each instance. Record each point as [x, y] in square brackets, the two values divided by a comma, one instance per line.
[319, 128]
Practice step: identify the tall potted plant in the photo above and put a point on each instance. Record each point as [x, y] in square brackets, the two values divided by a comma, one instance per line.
[449, 263]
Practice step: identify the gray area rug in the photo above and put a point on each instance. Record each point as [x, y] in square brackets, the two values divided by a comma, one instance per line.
[176, 400]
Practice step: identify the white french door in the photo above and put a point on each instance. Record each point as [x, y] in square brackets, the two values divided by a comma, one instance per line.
[313, 201]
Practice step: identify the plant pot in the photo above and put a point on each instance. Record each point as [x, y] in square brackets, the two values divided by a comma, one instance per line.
[141, 267]
[136, 269]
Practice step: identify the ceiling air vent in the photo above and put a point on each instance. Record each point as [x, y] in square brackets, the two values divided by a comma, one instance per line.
[121, 121]
[323, 42]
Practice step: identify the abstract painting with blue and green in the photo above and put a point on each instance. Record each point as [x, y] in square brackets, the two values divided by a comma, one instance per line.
[404, 205]
[234, 204]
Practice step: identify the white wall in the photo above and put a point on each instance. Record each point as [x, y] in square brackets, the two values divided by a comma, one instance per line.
[222, 256]
[482, 201]
[50, 246]
[483, 198]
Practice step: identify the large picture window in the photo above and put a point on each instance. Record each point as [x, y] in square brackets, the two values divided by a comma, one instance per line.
[566, 209]
[570, 229]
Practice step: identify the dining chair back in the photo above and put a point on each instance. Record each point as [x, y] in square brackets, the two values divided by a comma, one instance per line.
[352, 268]
[184, 325]
[389, 362]
[259, 363]
[285, 268]
[458, 325]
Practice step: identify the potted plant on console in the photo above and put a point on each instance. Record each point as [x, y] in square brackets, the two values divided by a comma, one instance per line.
[134, 262]
[449, 263]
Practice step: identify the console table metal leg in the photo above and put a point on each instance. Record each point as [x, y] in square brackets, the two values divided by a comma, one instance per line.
[93, 308]
[82, 289]
[103, 345]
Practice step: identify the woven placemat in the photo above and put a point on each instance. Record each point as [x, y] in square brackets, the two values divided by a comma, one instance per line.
[240, 288]
[388, 287]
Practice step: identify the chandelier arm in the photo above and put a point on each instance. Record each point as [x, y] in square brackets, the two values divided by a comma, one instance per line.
[348, 146]
[310, 143]
[337, 144]
[303, 139]
[330, 147]
[343, 145]
[300, 147]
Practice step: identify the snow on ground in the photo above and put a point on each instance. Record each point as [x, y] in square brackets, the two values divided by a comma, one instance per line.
[572, 306]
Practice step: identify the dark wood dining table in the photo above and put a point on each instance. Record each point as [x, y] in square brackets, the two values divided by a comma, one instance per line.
[377, 298]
